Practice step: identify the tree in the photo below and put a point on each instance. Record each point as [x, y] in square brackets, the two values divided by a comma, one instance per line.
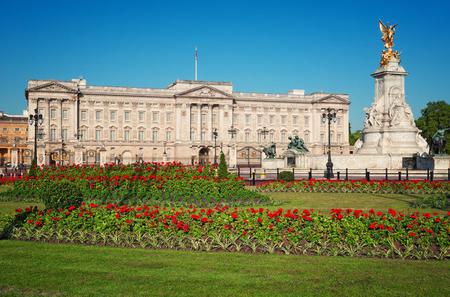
[223, 168]
[353, 137]
[434, 116]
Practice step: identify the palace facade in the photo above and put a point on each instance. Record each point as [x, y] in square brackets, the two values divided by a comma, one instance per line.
[13, 140]
[98, 124]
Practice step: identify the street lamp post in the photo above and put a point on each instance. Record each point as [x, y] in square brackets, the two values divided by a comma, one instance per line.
[264, 132]
[330, 116]
[232, 131]
[35, 119]
[215, 134]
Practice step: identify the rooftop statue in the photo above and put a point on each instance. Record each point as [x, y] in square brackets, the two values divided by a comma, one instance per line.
[297, 144]
[388, 39]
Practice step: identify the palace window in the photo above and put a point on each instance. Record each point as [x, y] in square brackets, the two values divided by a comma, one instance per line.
[339, 138]
[168, 117]
[83, 115]
[65, 114]
[168, 135]
[98, 135]
[203, 119]
[112, 135]
[126, 135]
[53, 134]
[52, 113]
[141, 116]
[271, 119]
[202, 136]
[283, 120]
[306, 121]
[192, 135]
[155, 117]
[247, 136]
[98, 115]
[260, 118]
[248, 118]
[82, 134]
[307, 136]
[339, 120]
[113, 115]
[155, 135]
[322, 137]
[64, 134]
[141, 135]
[126, 115]
[294, 120]
[272, 136]
[283, 136]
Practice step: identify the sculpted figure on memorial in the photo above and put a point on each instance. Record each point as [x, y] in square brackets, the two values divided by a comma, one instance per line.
[297, 144]
[388, 32]
[373, 116]
[400, 113]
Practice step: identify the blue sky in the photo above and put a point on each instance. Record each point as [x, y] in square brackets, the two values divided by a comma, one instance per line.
[260, 46]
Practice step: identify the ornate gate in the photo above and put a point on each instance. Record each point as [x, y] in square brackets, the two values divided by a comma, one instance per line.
[248, 157]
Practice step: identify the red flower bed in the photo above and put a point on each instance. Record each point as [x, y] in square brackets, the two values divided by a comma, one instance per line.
[341, 232]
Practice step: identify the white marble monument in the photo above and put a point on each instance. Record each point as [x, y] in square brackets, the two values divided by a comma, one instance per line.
[389, 126]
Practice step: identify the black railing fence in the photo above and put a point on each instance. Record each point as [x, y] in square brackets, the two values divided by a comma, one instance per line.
[257, 175]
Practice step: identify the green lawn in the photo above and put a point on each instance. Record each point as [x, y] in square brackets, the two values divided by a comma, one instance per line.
[326, 201]
[43, 269]
[320, 201]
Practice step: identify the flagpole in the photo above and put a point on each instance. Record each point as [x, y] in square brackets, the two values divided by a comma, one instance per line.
[196, 61]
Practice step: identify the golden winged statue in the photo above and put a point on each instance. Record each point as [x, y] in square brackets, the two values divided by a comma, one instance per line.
[388, 39]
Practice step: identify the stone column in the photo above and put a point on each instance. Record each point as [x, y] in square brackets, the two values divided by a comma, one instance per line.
[78, 154]
[14, 157]
[199, 122]
[209, 123]
[178, 126]
[221, 124]
[102, 156]
[41, 160]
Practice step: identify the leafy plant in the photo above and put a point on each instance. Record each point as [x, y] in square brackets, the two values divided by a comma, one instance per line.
[60, 194]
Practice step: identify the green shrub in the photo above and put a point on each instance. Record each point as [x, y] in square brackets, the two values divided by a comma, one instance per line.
[60, 194]
[33, 169]
[440, 202]
[287, 176]
[223, 168]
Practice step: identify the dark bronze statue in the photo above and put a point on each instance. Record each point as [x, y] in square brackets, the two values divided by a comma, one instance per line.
[438, 142]
[270, 151]
[297, 144]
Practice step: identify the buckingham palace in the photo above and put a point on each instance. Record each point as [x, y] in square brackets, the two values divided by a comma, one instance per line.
[188, 121]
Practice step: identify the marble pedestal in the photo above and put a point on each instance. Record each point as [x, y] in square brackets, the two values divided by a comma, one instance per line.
[273, 163]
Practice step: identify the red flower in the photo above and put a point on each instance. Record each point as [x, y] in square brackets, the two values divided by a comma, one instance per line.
[290, 230]
[19, 210]
[412, 234]
[128, 221]
[227, 227]
[373, 226]
[260, 220]
[117, 215]
[71, 208]
[234, 215]
[186, 228]
[204, 220]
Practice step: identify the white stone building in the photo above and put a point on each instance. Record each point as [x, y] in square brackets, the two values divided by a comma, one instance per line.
[98, 124]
